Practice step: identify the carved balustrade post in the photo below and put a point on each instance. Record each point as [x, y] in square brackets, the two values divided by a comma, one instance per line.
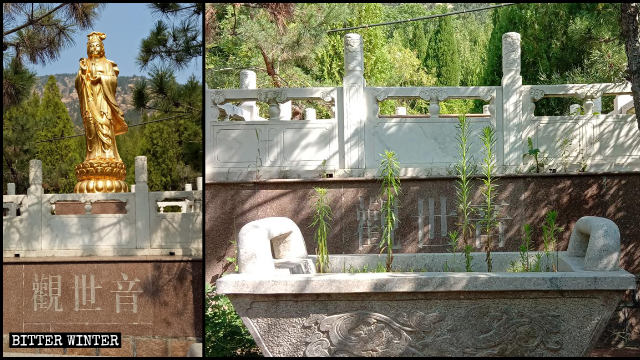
[32, 239]
[11, 190]
[515, 139]
[143, 210]
[248, 81]
[354, 101]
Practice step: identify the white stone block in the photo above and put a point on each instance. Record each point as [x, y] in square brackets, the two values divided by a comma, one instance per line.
[622, 104]
[257, 238]
[285, 111]
[141, 169]
[596, 239]
[35, 172]
[310, 114]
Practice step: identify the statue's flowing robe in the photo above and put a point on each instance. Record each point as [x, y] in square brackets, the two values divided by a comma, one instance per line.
[101, 116]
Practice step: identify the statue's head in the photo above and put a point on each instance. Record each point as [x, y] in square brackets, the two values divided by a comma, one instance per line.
[95, 48]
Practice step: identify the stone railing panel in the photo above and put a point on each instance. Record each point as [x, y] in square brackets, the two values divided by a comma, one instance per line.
[270, 147]
[598, 141]
[176, 229]
[81, 231]
[104, 224]
[429, 141]
[426, 145]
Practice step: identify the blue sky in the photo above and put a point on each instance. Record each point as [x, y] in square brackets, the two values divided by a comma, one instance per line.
[125, 25]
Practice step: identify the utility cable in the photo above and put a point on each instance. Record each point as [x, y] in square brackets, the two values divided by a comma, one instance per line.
[422, 18]
[130, 126]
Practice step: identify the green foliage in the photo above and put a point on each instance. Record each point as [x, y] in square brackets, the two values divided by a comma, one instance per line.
[445, 58]
[172, 136]
[380, 268]
[225, 334]
[565, 148]
[36, 33]
[453, 244]
[172, 159]
[27, 130]
[389, 175]
[550, 232]
[524, 265]
[19, 124]
[533, 152]
[464, 171]
[489, 216]
[468, 258]
[59, 158]
[561, 43]
[175, 43]
[173, 144]
[17, 82]
[321, 217]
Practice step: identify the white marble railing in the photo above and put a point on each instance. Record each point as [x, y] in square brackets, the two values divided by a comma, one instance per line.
[350, 143]
[36, 224]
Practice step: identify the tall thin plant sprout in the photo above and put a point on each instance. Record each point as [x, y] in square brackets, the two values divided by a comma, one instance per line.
[389, 192]
[489, 218]
[550, 232]
[464, 171]
[321, 217]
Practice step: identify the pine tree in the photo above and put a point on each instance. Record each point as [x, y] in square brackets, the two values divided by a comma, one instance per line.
[174, 43]
[18, 132]
[36, 33]
[59, 157]
[446, 58]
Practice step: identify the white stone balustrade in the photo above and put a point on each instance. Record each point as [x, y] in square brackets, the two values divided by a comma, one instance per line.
[349, 145]
[141, 230]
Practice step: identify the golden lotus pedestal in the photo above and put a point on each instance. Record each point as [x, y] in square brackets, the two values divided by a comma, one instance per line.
[101, 177]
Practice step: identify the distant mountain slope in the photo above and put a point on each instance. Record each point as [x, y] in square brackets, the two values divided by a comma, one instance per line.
[66, 84]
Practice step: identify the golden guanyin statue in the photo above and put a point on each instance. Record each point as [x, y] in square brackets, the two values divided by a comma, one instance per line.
[102, 170]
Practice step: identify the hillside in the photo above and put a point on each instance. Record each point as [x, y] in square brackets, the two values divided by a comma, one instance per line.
[66, 84]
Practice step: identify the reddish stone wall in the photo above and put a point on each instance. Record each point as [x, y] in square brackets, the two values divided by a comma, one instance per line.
[155, 302]
[229, 206]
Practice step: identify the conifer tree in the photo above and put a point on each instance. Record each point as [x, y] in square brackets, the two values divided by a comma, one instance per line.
[18, 132]
[445, 59]
[35, 33]
[172, 137]
[59, 157]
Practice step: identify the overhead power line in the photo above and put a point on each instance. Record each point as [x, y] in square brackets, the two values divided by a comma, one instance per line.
[144, 123]
[421, 18]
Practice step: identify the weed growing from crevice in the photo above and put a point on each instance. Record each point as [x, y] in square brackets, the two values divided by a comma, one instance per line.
[489, 219]
[464, 171]
[321, 217]
[389, 173]
[550, 232]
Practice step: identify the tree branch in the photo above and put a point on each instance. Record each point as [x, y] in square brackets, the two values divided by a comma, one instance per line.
[32, 21]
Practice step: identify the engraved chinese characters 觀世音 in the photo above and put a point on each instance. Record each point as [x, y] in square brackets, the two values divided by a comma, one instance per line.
[102, 170]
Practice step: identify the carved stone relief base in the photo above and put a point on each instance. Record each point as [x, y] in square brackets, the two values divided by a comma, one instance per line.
[427, 324]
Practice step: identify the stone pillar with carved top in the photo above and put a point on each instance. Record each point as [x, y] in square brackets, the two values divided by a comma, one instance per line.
[354, 101]
[248, 81]
[34, 204]
[514, 143]
[143, 240]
